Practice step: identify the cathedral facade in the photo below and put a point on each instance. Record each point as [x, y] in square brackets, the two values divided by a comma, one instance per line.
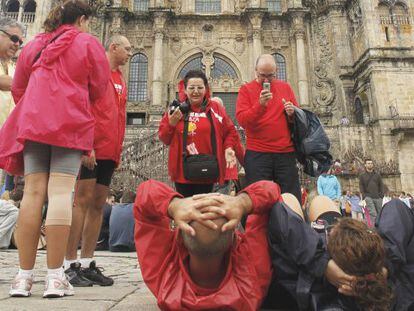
[350, 61]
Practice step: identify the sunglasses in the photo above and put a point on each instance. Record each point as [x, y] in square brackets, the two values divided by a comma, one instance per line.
[13, 38]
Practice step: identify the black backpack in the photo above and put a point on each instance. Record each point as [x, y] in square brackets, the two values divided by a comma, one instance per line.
[311, 142]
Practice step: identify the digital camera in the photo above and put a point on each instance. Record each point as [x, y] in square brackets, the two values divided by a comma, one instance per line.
[183, 106]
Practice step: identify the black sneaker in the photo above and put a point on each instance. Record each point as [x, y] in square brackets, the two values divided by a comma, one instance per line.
[94, 274]
[75, 276]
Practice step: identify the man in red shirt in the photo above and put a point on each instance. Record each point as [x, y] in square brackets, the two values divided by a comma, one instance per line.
[264, 108]
[205, 264]
[97, 169]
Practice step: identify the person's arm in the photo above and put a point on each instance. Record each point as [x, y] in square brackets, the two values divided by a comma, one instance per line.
[395, 225]
[165, 130]
[319, 184]
[362, 189]
[21, 74]
[247, 112]
[5, 83]
[153, 237]
[99, 71]
[338, 189]
[291, 99]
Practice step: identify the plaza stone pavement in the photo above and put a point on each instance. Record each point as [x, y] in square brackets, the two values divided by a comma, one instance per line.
[128, 292]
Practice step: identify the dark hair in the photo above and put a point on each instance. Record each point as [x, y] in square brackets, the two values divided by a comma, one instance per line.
[360, 251]
[128, 196]
[195, 74]
[368, 159]
[16, 194]
[66, 13]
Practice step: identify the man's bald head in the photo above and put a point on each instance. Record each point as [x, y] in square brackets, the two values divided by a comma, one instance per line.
[208, 242]
[265, 68]
[118, 49]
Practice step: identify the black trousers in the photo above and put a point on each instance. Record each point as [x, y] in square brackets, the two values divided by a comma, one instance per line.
[278, 167]
[188, 190]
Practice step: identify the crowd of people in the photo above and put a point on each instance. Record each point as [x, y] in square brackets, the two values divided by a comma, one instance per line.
[198, 245]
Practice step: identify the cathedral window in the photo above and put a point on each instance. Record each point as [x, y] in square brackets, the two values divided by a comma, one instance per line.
[194, 64]
[138, 78]
[394, 15]
[222, 69]
[274, 6]
[29, 12]
[141, 5]
[12, 9]
[208, 6]
[358, 111]
[281, 66]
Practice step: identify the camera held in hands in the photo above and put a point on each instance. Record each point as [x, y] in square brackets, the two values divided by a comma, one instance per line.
[183, 106]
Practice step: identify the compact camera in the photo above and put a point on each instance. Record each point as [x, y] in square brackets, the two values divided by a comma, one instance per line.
[183, 106]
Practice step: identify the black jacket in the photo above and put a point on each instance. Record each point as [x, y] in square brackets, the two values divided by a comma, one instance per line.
[371, 185]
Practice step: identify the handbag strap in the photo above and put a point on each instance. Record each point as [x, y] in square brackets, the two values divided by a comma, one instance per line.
[212, 134]
[40, 52]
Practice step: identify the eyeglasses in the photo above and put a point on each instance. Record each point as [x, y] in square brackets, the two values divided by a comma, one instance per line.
[13, 38]
[267, 76]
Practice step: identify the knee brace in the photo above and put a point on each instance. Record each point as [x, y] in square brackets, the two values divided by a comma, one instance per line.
[60, 193]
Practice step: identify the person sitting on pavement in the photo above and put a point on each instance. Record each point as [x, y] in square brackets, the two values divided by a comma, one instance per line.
[121, 224]
[206, 263]
[328, 265]
[9, 212]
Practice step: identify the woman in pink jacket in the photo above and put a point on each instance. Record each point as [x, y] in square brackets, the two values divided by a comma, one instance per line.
[58, 75]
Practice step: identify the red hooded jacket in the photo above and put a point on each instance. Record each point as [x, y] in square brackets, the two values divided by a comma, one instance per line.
[53, 96]
[163, 257]
[109, 112]
[172, 136]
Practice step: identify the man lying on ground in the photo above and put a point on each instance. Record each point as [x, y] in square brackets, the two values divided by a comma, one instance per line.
[341, 264]
[205, 263]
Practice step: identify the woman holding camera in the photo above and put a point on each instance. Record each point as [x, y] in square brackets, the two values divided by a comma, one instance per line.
[200, 135]
[58, 75]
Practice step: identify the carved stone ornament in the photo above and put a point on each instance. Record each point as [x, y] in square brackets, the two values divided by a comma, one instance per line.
[208, 61]
[240, 6]
[355, 16]
[176, 45]
[325, 86]
[239, 45]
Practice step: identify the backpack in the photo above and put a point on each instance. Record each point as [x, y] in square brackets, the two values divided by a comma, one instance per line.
[311, 142]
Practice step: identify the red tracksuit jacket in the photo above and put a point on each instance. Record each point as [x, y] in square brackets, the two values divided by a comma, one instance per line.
[162, 255]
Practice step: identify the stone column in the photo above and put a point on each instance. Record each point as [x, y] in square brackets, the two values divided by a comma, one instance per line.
[20, 15]
[157, 99]
[256, 17]
[299, 34]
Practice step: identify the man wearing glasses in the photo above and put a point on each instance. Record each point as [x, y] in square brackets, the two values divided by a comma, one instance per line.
[11, 33]
[264, 108]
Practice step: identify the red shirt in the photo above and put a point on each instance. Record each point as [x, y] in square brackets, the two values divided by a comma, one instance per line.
[163, 257]
[266, 127]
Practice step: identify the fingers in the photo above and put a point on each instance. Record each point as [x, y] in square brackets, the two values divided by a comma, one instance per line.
[230, 225]
[346, 290]
[205, 195]
[186, 228]
[209, 224]
[212, 209]
[209, 201]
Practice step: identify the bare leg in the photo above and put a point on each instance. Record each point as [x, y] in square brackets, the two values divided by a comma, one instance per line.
[84, 198]
[93, 222]
[30, 218]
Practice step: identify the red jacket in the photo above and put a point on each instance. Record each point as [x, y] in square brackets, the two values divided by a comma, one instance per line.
[109, 112]
[53, 96]
[172, 136]
[162, 255]
[266, 127]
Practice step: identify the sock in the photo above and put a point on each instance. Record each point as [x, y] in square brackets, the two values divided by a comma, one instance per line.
[25, 273]
[68, 262]
[85, 262]
[56, 272]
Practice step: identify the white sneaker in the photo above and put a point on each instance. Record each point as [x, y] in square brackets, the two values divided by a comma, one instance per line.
[56, 287]
[21, 286]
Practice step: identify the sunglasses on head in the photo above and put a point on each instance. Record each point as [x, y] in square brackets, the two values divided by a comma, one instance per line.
[13, 38]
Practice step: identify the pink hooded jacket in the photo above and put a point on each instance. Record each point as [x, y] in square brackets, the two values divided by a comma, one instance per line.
[53, 95]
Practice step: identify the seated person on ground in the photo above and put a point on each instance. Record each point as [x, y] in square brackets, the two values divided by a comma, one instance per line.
[395, 224]
[8, 216]
[121, 224]
[205, 263]
[333, 264]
